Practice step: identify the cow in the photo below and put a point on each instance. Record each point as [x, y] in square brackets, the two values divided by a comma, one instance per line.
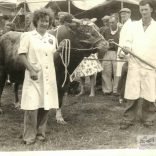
[82, 39]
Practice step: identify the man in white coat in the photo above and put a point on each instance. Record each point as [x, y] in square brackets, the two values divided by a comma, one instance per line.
[140, 88]
[125, 14]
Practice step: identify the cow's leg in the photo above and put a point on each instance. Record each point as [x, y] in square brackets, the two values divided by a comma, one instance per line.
[2, 83]
[59, 117]
[16, 103]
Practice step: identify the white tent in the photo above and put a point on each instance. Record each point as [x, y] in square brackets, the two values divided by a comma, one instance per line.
[81, 4]
[90, 4]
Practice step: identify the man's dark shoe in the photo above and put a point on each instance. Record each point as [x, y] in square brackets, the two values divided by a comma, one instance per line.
[109, 93]
[29, 142]
[115, 94]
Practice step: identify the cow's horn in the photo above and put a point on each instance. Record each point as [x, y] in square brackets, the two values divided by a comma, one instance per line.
[76, 20]
[93, 20]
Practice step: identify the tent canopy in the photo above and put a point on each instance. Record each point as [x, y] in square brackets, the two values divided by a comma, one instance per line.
[90, 4]
[11, 5]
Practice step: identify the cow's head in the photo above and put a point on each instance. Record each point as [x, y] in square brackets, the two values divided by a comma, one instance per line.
[85, 34]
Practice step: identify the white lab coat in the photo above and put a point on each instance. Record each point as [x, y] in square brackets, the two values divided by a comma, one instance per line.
[141, 77]
[39, 50]
[125, 34]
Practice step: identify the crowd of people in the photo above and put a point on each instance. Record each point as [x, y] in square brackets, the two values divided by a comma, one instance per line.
[122, 73]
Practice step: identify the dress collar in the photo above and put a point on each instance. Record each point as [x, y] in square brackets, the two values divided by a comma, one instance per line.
[35, 33]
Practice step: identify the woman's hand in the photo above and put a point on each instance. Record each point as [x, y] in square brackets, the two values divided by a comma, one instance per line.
[34, 74]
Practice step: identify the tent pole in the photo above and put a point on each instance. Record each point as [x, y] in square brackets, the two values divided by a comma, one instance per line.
[69, 9]
[122, 4]
[24, 13]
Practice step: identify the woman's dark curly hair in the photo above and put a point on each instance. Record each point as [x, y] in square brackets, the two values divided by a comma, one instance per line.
[42, 13]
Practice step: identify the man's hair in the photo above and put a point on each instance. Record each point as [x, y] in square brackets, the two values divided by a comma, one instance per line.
[144, 2]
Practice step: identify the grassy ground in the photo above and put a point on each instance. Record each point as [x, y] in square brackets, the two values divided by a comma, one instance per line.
[93, 123]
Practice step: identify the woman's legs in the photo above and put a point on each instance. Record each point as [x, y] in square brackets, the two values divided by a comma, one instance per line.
[82, 85]
[92, 85]
[35, 122]
[30, 124]
[42, 119]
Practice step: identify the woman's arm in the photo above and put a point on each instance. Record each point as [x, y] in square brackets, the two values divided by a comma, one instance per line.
[33, 72]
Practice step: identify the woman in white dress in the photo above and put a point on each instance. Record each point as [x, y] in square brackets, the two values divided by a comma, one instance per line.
[39, 93]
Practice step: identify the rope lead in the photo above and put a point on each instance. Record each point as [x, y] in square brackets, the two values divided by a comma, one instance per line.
[65, 57]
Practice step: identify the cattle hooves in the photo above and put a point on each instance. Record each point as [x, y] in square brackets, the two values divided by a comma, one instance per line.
[62, 122]
[8, 82]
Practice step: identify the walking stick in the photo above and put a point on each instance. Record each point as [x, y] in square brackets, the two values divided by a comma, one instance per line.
[130, 52]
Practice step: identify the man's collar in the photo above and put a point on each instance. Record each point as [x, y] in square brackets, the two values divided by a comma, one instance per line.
[141, 21]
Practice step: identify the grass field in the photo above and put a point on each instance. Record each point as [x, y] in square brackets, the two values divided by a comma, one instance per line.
[93, 123]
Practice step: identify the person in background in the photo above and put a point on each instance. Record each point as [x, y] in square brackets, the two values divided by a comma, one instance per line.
[28, 22]
[140, 90]
[105, 22]
[39, 93]
[9, 26]
[116, 15]
[125, 14]
[5, 20]
[109, 78]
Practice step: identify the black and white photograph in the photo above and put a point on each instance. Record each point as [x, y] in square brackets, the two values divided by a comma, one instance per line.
[78, 75]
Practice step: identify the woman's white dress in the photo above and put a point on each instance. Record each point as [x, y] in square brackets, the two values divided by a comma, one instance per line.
[41, 93]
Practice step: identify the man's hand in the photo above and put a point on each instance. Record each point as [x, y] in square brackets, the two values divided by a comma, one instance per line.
[126, 50]
[121, 54]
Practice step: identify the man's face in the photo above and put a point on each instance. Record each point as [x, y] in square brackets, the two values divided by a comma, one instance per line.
[106, 23]
[145, 11]
[124, 16]
[28, 19]
[113, 23]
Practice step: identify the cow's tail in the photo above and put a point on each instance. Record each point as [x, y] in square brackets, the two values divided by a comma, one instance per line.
[2, 56]
[2, 71]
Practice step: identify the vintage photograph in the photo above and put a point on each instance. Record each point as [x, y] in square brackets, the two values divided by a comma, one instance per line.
[77, 75]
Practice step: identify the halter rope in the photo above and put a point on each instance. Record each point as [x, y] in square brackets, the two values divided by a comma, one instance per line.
[66, 59]
[65, 53]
